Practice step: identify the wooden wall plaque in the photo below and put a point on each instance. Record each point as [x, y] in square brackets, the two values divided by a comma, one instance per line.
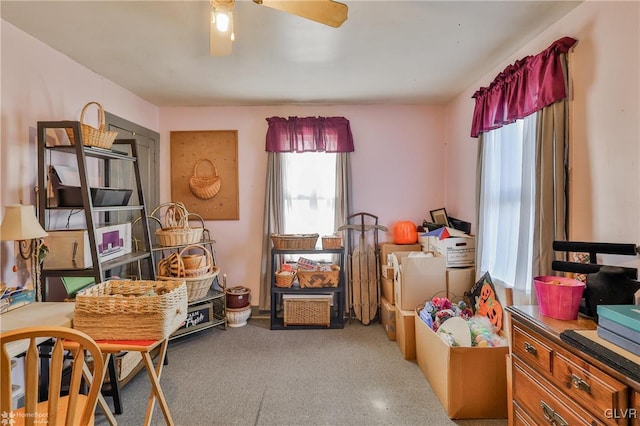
[220, 147]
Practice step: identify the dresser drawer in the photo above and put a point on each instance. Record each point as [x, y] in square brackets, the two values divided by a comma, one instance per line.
[520, 417]
[543, 403]
[530, 349]
[594, 389]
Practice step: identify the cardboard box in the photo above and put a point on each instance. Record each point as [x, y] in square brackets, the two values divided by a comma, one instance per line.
[459, 281]
[387, 248]
[417, 279]
[70, 249]
[471, 383]
[406, 333]
[458, 251]
[387, 290]
[388, 318]
[457, 247]
[387, 271]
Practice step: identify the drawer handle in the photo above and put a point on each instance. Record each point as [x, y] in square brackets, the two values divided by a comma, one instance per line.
[530, 348]
[578, 383]
[553, 417]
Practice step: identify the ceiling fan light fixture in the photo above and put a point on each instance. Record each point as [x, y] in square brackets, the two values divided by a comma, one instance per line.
[222, 20]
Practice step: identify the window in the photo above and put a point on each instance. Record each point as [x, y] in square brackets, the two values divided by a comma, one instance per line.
[309, 181]
[506, 208]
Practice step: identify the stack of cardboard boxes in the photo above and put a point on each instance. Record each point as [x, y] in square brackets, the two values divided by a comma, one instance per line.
[442, 268]
[411, 275]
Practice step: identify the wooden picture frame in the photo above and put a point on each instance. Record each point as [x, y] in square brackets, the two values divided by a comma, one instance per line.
[440, 217]
[204, 172]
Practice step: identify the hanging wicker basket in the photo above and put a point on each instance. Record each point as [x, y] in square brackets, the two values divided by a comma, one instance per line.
[205, 187]
[91, 136]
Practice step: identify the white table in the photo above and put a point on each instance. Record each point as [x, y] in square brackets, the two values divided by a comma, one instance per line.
[35, 314]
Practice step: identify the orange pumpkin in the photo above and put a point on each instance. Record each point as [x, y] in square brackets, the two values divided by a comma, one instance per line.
[404, 232]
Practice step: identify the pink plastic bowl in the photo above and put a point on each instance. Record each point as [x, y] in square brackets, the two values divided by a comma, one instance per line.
[559, 297]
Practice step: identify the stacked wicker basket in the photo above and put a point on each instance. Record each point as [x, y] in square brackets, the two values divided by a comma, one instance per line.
[193, 264]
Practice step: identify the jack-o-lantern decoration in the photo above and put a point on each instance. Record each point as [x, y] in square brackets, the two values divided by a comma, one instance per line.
[489, 306]
[482, 298]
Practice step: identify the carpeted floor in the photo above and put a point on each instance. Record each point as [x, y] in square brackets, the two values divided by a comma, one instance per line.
[252, 375]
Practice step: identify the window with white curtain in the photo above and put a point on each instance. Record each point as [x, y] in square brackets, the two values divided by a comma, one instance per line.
[309, 180]
[506, 205]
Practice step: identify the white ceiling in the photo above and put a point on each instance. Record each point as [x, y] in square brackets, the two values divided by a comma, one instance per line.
[386, 52]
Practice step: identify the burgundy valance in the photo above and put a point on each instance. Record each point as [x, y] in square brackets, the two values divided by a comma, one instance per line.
[309, 134]
[523, 88]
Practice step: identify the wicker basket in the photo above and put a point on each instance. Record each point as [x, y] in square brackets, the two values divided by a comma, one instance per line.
[131, 310]
[316, 279]
[285, 279]
[194, 261]
[91, 136]
[307, 311]
[198, 280]
[294, 241]
[176, 230]
[331, 242]
[174, 264]
[205, 187]
[197, 287]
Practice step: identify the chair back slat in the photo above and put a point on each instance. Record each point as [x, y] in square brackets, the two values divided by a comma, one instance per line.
[69, 410]
[31, 373]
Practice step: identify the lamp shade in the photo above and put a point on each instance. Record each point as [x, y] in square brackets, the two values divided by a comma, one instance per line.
[20, 223]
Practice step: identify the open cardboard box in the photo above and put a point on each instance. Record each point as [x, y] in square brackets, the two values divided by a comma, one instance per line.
[470, 382]
[417, 278]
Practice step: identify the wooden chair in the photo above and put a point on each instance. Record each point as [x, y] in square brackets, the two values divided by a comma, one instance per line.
[72, 409]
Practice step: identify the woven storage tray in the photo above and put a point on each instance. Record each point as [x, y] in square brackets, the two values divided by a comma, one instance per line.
[307, 311]
[315, 279]
[120, 310]
[331, 242]
[197, 287]
[294, 241]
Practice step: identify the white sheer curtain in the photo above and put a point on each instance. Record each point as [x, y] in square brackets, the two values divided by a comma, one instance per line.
[506, 206]
[309, 193]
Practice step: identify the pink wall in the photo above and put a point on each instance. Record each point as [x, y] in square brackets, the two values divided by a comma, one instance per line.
[38, 84]
[397, 167]
[604, 123]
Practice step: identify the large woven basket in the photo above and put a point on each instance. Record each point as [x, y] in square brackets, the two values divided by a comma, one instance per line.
[317, 278]
[176, 230]
[174, 265]
[198, 286]
[131, 310]
[205, 186]
[91, 136]
[294, 241]
[307, 311]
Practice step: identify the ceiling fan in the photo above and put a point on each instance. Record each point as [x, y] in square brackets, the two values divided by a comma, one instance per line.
[221, 36]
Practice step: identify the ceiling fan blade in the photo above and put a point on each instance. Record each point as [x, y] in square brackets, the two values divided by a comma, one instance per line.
[326, 12]
[220, 44]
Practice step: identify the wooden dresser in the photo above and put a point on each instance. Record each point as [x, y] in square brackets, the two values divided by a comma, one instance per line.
[552, 381]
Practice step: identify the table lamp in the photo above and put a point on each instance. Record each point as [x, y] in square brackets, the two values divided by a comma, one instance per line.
[20, 224]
